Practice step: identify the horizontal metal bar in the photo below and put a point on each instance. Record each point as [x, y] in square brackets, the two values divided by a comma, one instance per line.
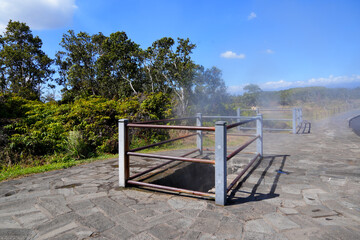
[241, 135]
[278, 129]
[159, 166]
[170, 127]
[166, 120]
[232, 184]
[275, 110]
[173, 189]
[277, 119]
[160, 143]
[227, 117]
[231, 155]
[239, 123]
[198, 160]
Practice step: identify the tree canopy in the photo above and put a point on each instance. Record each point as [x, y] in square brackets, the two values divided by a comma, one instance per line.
[24, 67]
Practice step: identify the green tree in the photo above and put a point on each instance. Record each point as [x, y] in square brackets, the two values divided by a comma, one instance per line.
[24, 67]
[76, 64]
[251, 97]
[118, 67]
[210, 93]
[171, 69]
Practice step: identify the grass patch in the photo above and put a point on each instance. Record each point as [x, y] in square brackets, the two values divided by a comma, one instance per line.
[21, 170]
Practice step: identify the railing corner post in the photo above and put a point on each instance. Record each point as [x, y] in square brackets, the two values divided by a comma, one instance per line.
[220, 163]
[259, 132]
[199, 137]
[123, 149]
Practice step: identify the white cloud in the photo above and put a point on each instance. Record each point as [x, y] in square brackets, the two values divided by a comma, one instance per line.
[324, 81]
[231, 54]
[38, 14]
[269, 51]
[252, 16]
[330, 81]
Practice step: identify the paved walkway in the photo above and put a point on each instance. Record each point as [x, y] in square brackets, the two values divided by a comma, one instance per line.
[316, 196]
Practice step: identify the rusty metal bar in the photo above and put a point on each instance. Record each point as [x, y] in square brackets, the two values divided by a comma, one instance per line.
[160, 143]
[198, 160]
[171, 127]
[165, 120]
[173, 189]
[242, 173]
[239, 123]
[231, 155]
[159, 166]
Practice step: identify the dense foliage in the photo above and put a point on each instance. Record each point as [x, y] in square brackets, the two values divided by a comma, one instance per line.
[79, 129]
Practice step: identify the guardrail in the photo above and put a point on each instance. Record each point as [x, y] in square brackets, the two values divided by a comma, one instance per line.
[220, 161]
[295, 121]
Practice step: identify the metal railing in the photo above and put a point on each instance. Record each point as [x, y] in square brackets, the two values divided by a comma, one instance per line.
[220, 161]
[295, 121]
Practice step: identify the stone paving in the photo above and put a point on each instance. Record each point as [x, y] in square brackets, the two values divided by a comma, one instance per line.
[306, 187]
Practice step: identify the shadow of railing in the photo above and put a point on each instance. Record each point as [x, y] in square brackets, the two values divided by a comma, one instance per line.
[254, 195]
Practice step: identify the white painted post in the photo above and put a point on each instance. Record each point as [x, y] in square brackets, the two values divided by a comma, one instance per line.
[300, 114]
[259, 132]
[238, 114]
[199, 137]
[123, 148]
[257, 111]
[220, 163]
[294, 120]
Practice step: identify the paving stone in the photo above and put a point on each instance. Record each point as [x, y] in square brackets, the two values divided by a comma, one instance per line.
[143, 236]
[230, 229]
[182, 203]
[55, 205]
[181, 223]
[280, 222]
[17, 207]
[206, 225]
[15, 233]
[288, 211]
[109, 206]
[190, 235]
[117, 232]
[258, 225]
[316, 211]
[311, 199]
[8, 222]
[132, 222]
[58, 225]
[97, 221]
[304, 234]
[58, 231]
[82, 197]
[31, 219]
[164, 231]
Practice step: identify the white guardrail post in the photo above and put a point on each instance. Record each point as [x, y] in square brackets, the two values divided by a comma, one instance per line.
[199, 137]
[220, 163]
[259, 132]
[123, 148]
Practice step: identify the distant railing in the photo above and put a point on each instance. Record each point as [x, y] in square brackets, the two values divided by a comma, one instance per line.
[295, 121]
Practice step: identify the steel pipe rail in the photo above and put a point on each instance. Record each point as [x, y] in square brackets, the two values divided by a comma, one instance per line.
[231, 155]
[170, 127]
[160, 143]
[173, 189]
[232, 184]
[227, 117]
[165, 120]
[159, 166]
[240, 123]
[197, 160]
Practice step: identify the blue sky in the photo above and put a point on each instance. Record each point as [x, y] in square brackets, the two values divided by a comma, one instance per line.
[275, 44]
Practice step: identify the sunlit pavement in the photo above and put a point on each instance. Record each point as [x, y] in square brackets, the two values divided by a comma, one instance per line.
[306, 187]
